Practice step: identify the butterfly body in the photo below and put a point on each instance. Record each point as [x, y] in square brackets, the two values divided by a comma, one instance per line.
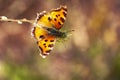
[56, 33]
[46, 29]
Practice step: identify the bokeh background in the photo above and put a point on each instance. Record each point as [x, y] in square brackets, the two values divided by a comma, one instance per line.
[92, 52]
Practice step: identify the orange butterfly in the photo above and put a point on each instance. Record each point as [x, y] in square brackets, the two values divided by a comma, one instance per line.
[47, 27]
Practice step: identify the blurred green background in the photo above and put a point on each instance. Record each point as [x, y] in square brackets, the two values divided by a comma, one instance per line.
[91, 53]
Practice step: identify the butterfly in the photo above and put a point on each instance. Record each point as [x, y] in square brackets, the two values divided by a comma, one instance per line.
[47, 29]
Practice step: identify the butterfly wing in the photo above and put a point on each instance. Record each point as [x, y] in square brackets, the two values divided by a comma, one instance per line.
[44, 41]
[58, 17]
[53, 19]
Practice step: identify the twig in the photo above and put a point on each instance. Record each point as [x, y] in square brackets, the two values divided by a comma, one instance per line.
[19, 21]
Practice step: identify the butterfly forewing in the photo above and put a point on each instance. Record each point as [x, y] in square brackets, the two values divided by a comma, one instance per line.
[58, 17]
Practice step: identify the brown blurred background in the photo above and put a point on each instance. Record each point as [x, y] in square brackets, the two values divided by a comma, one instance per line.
[91, 53]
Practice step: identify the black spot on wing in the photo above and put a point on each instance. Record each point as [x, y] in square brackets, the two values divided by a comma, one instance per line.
[50, 45]
[55, 19]
[44, 44]
[42, 36]
[49, 19]
[59, 23]
[46, 40]
[62, 19]
[51, 40]
[56, 15]
[48, 51]
[64, 13]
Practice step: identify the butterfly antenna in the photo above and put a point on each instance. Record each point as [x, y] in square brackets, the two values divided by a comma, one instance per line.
[69, 33]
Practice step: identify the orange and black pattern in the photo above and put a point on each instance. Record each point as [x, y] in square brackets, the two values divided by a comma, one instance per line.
[54, 20]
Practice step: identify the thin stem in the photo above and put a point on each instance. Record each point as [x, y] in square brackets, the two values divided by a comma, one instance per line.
[19, 21]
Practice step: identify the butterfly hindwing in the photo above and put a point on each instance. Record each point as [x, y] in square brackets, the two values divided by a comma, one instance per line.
[46, 45]
[44, 41]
